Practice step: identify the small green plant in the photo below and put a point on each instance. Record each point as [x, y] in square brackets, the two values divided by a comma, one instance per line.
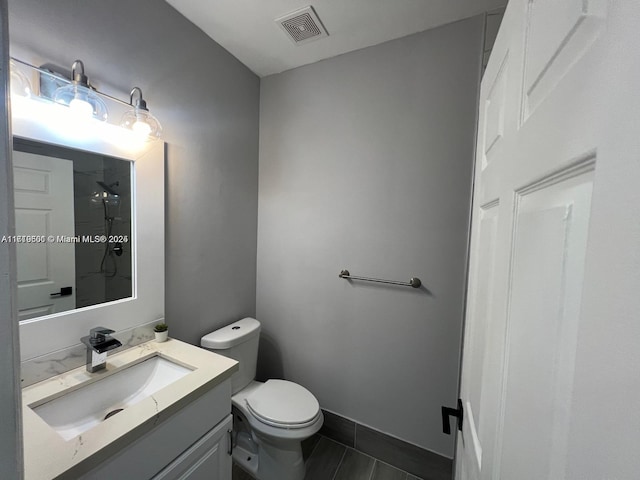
[161, 327]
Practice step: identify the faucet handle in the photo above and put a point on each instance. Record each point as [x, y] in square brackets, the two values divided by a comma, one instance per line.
[98, 334]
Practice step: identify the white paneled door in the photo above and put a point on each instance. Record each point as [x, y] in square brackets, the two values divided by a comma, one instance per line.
[551, 365]
[44, 212]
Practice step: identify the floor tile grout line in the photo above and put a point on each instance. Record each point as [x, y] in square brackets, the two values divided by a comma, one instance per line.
[389, 465]
[339, 464]
[373, 469]
[338, 442]
[363, 453]
[374, 460]
[359, 452]
[314, 448]
[406, 474]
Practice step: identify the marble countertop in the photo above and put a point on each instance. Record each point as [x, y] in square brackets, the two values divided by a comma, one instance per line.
[47, 455]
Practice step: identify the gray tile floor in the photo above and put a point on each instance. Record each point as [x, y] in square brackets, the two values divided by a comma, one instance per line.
[329, 460]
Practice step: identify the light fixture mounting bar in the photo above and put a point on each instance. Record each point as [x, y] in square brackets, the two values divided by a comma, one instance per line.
[64, 79]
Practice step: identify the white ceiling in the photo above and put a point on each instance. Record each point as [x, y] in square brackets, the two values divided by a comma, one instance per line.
[246, 28]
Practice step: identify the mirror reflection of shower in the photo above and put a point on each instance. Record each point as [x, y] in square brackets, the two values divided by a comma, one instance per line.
[110, 200]
[108, 196]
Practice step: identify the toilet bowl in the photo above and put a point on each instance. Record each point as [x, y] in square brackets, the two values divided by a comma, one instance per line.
[271, 419]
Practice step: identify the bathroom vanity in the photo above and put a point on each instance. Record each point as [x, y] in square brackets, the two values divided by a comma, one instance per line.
[175, 420]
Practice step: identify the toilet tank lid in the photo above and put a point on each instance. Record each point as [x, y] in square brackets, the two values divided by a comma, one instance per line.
[231, 335]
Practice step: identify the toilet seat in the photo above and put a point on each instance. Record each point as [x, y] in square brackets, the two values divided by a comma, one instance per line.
[283, 404]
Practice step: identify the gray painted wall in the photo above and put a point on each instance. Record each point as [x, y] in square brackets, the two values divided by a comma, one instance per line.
[208, 103]
[10, 398]
[366, 163]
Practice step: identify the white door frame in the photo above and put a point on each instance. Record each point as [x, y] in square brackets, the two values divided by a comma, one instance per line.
[11, 461]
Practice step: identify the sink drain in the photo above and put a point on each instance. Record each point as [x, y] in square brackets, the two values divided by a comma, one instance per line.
[113, 412]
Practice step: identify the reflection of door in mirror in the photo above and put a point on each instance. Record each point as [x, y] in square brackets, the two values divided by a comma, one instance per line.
[44, 211]
[76, 205]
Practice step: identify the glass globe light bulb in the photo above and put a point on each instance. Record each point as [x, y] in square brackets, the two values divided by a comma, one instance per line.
[142, 123]
[81, 108]
[139, 120]
[20, 85]
[79, 97]
[141, 128]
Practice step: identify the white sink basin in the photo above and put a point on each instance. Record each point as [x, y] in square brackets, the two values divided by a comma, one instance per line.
[78, 411]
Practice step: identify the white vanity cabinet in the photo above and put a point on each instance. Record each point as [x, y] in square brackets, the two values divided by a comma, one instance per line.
[193, 443]
[209, 458]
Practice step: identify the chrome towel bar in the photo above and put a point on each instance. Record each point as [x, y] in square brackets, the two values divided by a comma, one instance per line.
[413, 282]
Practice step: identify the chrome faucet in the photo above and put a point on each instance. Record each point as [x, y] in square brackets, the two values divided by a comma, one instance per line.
[98, 343]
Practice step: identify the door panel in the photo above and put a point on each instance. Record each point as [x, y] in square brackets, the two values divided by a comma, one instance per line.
[44, 207]
[550, 355]
[35, 265]
[494, 111]
[558, 34]
[478, 331]
[550, 239]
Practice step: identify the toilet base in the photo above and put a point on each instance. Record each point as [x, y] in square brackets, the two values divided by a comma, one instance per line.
[280, 460]
[246, 459]
[266, 458]
[245, 452]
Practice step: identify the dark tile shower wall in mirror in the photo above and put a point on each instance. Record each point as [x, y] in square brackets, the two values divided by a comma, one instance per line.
[102, 206]
[103, 272]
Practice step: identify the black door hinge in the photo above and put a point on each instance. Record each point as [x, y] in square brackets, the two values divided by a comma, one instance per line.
[452, 412]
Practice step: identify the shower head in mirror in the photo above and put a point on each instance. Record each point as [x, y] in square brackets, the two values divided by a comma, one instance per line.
[108, 195]
[109, 188]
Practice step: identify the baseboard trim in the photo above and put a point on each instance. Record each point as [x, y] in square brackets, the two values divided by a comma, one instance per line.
[406, 456]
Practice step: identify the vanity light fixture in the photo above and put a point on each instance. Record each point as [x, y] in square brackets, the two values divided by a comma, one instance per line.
[20, 85]
[83, 102]
[80, 97]
[139, 119]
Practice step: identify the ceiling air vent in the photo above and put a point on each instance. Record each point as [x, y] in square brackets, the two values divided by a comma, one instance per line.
[302, 26]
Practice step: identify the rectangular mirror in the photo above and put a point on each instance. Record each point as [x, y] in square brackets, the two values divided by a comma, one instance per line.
[73, 228]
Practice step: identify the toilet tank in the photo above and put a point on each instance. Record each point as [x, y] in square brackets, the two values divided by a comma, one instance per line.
[240, 342]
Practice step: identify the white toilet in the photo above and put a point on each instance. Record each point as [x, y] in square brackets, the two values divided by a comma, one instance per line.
[271, 419]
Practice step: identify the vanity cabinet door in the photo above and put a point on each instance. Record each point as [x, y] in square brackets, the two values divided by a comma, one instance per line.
[207, 459]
